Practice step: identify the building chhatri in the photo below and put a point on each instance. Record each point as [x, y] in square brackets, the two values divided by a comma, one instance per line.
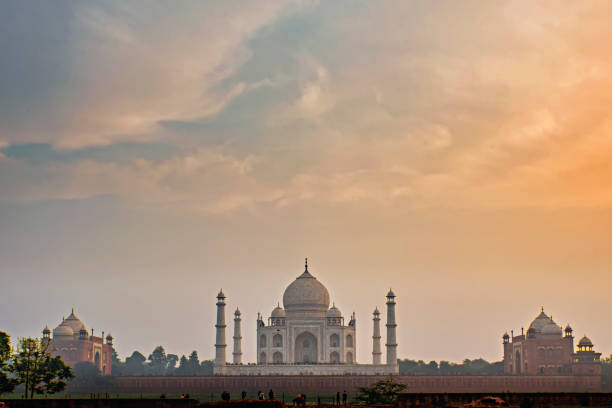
[306, 336]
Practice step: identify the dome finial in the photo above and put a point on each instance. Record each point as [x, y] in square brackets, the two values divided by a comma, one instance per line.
[305, 264]
[542, 309]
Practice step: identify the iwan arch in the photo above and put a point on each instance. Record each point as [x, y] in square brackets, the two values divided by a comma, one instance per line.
[306, 336]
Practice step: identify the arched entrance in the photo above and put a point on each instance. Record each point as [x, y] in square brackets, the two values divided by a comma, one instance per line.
[306, 350]
[517, 362]
[97, 360]
[334, 357]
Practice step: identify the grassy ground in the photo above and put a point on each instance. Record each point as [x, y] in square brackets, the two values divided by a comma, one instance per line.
[287, 398]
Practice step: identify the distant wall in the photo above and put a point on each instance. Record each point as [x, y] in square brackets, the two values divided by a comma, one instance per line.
[332, 384]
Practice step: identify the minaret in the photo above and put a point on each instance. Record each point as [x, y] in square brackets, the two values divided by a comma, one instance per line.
[376, 354]
[237, 338]
[391, 338]
[220, 343]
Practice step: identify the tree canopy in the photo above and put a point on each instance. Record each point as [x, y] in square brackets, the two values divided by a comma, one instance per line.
[7, 384]
[467, 367]
[382, 392]
[33, 365]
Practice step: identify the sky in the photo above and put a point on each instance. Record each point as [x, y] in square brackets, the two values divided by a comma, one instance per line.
[152, 153]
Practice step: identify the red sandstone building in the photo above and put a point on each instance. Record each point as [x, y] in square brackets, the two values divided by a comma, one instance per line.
[547, 349]
[74, 345]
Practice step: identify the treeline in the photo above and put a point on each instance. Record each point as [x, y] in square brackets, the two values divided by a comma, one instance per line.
[158, 363]
[478, 366]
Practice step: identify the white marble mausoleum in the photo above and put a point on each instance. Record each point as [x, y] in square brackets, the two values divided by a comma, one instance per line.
[306, 336]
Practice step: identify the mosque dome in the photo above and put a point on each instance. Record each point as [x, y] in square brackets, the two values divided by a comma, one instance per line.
[306, 294]
[540, 322]
[278, 312]
[333, 312]
[552, 328]
[63, 330]
[75, 323]
[585, 342]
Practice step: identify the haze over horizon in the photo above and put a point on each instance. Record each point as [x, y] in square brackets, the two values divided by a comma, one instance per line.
[458, 152]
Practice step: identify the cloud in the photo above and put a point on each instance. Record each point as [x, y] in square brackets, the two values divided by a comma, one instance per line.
[413, 104]
[127, 67]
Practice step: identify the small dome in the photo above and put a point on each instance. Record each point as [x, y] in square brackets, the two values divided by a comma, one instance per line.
[109, 336]
[46, 330]
[585, 342]
[278, 312]
[333, 312]
[506, 335]
[63, 330]
[568, 329]
[376, 312]
[221, 295]
[237, 312]
[74, 322]
[390, 294]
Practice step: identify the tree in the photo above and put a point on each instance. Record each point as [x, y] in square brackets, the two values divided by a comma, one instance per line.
[607, 372]
[206, 367]
[134, 364]
[87, 378]
[172, 360]
[7, 384]
[34, 367]
[158, 361]
[194, 363]
[118, 366]
[183, 366]
[382, 392]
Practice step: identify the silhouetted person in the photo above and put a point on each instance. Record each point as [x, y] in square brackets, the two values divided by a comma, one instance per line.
[260, 395]
[271, 395]
[243, 395]
[344, 397]
[186, 396]
[338, 398]
[225, 396]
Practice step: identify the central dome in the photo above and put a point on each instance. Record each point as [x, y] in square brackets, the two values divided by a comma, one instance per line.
[306, 294]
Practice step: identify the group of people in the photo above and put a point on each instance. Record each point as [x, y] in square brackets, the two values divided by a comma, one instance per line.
[261, 395]
[344, 398]
[300, 400]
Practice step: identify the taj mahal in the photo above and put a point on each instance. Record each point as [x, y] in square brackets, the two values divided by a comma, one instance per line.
[306, 337]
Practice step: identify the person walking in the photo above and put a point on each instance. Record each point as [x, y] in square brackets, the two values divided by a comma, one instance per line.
[271, 395]
[344, 397]
[338, 398]
[243, 395]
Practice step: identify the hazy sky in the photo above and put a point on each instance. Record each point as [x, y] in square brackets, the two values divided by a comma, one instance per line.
[152, 152]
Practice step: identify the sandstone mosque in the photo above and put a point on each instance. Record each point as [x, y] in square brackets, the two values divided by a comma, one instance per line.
[73, 343]
[548, 349]
[306, 336]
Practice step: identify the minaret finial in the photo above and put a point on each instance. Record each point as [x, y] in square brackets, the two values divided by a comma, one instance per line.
[73, 310]
[305, 264]
[542, 309]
